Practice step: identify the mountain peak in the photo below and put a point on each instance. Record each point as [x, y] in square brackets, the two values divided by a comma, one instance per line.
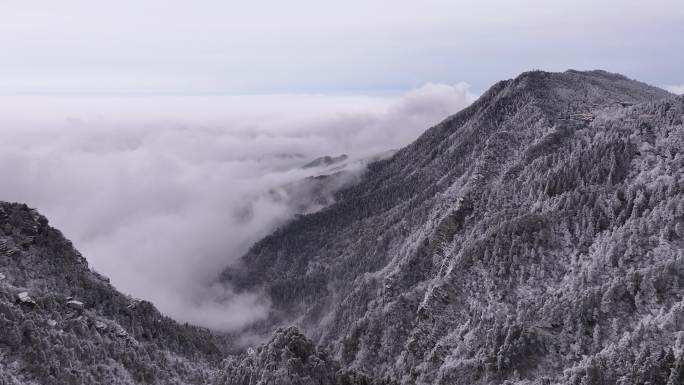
[594, 88]
[499, 234]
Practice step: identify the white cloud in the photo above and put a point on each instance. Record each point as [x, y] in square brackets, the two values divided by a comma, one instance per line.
[679, 90]
[161, 193]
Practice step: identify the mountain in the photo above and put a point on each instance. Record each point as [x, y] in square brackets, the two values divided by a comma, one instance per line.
[534, 237]
[62, 323]
[326, 161]
[312, 193]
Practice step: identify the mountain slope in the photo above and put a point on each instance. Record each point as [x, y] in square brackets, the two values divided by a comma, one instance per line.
[62, 323]
[534, 236]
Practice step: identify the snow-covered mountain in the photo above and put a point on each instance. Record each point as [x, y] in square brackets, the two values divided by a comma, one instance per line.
[536, 237]
[62, 323]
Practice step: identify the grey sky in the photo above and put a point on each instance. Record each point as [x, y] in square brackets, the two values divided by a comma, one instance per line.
[230, 47]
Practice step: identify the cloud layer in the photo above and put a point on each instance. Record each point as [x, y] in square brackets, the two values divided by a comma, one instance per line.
[161, 193]
[679, 90]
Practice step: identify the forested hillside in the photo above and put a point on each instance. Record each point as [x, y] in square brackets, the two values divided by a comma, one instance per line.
[535, 237]
[62, 323]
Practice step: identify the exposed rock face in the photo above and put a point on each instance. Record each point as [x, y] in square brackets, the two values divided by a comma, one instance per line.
[46, 337]
[535, 237]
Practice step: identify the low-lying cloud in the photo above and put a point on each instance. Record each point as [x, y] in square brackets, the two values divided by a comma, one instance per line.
[679, 90]
[160, 193]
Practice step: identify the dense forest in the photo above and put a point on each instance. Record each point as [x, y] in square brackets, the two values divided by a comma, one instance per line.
[62, 323]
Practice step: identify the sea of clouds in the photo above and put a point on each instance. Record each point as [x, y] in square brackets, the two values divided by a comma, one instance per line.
[675, 89]
[160, 193]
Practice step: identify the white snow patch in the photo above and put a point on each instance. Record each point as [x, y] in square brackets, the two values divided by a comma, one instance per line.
[25, 298]
[75, 304]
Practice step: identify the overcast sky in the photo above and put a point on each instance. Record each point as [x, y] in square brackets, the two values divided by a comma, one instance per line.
[351, 46]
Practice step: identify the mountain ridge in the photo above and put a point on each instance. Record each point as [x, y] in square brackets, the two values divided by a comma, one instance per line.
[365, 275]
